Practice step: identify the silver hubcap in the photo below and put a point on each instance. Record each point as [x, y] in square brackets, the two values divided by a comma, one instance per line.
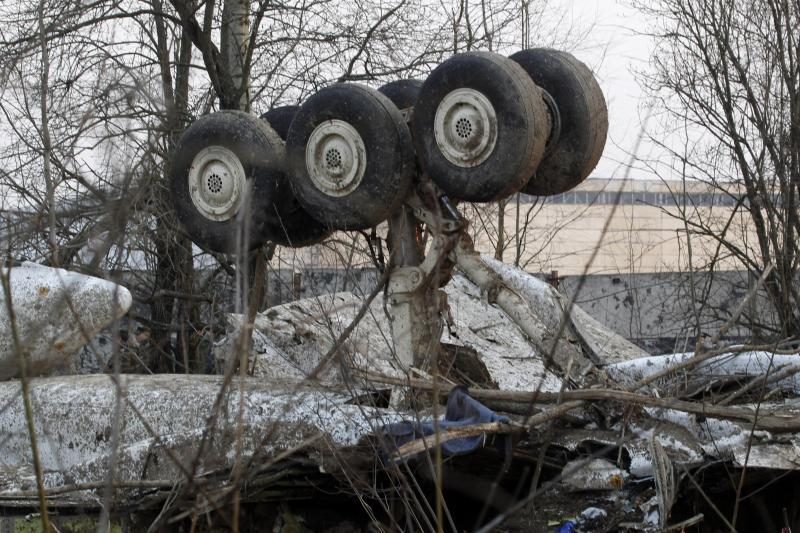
[216, 183]
[465, 127]
[336, 158]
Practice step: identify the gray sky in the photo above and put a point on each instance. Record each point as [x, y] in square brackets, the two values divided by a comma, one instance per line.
[614, 50]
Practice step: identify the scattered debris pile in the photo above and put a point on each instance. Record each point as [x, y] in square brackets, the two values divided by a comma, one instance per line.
[512, 439]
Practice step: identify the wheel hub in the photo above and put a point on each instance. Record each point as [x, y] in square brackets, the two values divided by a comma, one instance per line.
[216, 183]
[555, 122]
[465, 127]
[336, 157]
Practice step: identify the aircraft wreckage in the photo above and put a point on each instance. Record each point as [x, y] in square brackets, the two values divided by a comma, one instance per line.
[459, 394]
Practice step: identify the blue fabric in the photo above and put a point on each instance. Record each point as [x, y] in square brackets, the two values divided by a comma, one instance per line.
[566, 527]
[462, 410]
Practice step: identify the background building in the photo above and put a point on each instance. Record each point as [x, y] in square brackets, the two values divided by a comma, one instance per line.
[635, 226]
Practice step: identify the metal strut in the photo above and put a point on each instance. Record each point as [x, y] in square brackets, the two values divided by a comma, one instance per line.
[415, 300]
[417, 304]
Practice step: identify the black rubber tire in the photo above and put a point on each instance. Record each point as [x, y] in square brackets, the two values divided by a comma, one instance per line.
[389, 166]
[522, 127]
[294, 227]
[402, 93]
[583, 116]
[280, 118]
[261, 153]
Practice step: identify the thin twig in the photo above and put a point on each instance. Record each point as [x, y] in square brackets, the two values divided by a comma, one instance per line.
[783, 373]
[706, 498]
[98, 485]
[5, 278]
[704, 356]
[776, 422]
[334, 350]
[446, 435]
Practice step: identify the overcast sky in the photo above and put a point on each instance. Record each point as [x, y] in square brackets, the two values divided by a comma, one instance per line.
[615, 50]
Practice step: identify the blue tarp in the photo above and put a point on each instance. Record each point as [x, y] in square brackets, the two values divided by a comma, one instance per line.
[462, 410]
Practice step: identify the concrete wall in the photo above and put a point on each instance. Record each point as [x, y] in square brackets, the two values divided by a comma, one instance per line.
[660, 312]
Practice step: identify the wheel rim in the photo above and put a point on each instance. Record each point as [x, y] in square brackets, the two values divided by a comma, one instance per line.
[465, 127]
[216, 183]
[555, 122]
[336, 158]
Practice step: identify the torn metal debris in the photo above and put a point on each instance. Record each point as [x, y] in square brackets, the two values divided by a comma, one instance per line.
[50, 313]
[622, 454]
